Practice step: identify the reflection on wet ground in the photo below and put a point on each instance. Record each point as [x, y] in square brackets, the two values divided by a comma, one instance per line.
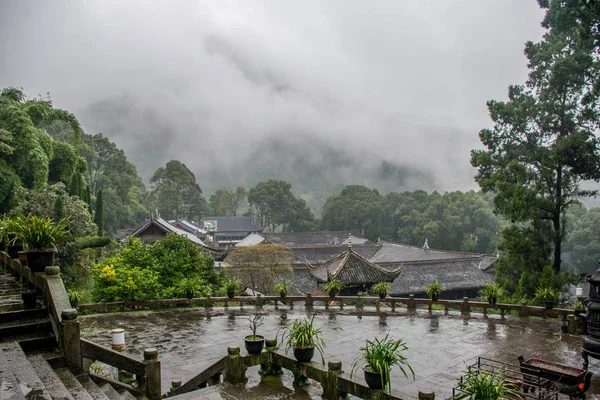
[189, 340]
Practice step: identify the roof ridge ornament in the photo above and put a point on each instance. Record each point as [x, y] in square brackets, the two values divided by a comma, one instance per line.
[349, 240]
[426, 245]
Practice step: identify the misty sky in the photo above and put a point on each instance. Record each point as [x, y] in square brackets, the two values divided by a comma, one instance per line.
[211, 80]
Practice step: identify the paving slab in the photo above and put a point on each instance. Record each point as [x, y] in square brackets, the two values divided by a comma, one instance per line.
[439, 344]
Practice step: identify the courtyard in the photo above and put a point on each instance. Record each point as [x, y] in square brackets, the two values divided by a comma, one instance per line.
[440, 344]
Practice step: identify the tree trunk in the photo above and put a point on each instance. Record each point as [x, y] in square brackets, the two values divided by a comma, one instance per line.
[556, 221]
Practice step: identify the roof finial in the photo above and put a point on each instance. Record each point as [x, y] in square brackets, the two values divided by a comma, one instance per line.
[426, 245]
[350, 240]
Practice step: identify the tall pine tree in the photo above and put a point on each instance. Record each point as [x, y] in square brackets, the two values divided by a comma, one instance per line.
[99, 215]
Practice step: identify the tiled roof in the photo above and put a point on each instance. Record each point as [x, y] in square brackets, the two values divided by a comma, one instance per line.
[317, 255]
[239, 223]
[393, 252]
[188, 226]
[352, 269]
[250, 240]
[313, 238]
[167, 227]
[453, 274]
[303, 281]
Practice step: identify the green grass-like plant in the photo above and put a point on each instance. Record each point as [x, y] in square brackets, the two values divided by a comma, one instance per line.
[547, 294]
[189, 287]
[491, 291]
[232, 286]
[282, 288]
[74, 296]
[302, 334]
[488, 385]
[381, 288]
[434, 290]
[37, 234]
[333, 287]
[380, 355]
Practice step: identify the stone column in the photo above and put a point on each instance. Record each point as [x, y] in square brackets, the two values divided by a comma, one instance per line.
[71, 339]
[411, 302]
[330, 390]
[153, 385]
[235, 368]
[308, 302]
[465, 306]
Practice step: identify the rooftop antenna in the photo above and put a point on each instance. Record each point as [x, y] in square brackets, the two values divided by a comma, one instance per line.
[426, 245]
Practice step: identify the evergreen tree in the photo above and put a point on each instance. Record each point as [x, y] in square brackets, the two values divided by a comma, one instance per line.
[99, 215]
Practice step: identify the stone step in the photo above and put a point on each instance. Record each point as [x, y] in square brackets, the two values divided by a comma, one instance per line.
[125, 395]
[37, 341]
[25, 375]
[110, 391]
[51, 381]
[18, 328]
[91, 387]
[22, 315]
[10, 387]
[78, 392]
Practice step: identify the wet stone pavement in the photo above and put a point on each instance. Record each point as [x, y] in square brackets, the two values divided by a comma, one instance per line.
[190, 340]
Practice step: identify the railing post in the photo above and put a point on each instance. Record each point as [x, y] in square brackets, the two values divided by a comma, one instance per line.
[360, 303]
[235, 368]
[411, 302]
[465, 306]
[330, 388]
[153, 389]
[259, 300]
[71, 339]
[308, 302]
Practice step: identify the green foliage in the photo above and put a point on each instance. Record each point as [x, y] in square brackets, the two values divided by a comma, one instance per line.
[333, 287]
[38, 234]
[176, 193]
[115, 280]
[170, 267]
[302, 334]
[382, 288]
[274, 205]
[434, 290]
[380, 355]
[259, 267]
[232, 286]
[491, 290]
[543, 142]
[91, 242]
[227, 202]
[63, 164]
[482, 384]
[189, 287]
[547, 294]
[282, 288]
[99, 214]
[75, 296]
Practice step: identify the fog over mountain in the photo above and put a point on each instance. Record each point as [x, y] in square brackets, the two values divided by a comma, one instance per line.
[389, 94]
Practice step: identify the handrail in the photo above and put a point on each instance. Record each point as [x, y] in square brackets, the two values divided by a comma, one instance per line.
[200, 379]
[111, 357]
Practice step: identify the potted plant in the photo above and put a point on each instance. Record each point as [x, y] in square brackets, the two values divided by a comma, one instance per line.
[189, 287]
[40, 237]
[487, 384]
[254, 343]
[378, 357]
[9, 236]
[547, 295]
[333, 287]
[282, 288]
[381, 288]
[434, 290]
[303, 338]
[232, 287]
[491, 292]
[74, 296]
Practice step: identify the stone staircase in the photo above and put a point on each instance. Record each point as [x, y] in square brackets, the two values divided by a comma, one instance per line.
[31, 366]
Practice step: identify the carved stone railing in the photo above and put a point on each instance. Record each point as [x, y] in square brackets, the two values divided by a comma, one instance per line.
[335, 382]
[339, 302]
[147, 372]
